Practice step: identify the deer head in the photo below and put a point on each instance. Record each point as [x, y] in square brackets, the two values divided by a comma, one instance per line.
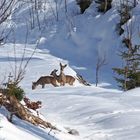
[62, 67]
[34, 85]
[54, 72]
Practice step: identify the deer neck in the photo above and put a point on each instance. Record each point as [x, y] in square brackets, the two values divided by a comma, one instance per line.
[56, 76]
[37, 83]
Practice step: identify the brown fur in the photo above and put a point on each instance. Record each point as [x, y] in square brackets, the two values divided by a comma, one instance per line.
[69, 79]
[32, 105]
[62, 75]
[45, 80]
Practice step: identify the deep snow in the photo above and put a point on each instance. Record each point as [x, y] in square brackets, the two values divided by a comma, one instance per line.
[96, 113]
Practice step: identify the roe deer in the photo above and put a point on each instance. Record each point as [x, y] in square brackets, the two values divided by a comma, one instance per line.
[62, 75]
[44, 80]
[69, 79]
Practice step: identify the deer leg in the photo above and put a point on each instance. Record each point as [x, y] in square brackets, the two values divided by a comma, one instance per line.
[43, 85]
[54, 84]
[63, 83]
[71, 84]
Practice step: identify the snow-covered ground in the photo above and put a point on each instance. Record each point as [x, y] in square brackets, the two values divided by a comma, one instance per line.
[20, 130]
[97, 113]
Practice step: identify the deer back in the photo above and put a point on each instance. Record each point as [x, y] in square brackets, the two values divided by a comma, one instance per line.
[44, 80]
[70, 79]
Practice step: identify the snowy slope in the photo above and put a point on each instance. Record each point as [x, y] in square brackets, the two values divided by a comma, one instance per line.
[21, 130]
[80, 39]
[91, 36]
[96, 113]
[77, 38]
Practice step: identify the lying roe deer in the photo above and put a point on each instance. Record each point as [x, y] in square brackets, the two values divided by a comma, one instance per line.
[69, 79]
[62, 75]
[44, 80]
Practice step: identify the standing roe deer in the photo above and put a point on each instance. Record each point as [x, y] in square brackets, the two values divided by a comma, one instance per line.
[69, 79]
[44, 80]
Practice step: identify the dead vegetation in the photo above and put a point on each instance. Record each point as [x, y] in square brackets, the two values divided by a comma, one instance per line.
[19, 110]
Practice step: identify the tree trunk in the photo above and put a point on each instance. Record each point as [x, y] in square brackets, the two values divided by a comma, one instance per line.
[97, 71]
[135, 3]
[65, 6]
[105, 8]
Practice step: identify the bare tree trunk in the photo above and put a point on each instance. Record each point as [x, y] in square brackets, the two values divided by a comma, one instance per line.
[101, 61]
[105, 8]
[32, 17]
[65, 6]
[56, 9]
[125, 78]
[38, 20]
[97, 77]
[135, 3]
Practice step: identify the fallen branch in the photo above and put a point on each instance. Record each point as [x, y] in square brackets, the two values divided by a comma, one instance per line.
[13, 105]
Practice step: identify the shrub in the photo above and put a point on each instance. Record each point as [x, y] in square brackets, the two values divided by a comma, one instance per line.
[129, 75]
[14, 90]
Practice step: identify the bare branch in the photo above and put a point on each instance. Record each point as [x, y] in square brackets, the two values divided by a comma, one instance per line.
[101, 61]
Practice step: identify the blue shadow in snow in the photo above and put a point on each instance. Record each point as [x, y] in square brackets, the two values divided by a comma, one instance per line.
[34, 130]
[4, 59]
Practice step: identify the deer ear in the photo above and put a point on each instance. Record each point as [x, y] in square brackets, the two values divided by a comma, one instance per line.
[60, 64]
[54, 71]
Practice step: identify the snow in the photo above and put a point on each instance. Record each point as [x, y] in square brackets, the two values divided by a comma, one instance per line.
[97, 113]
[20, 130]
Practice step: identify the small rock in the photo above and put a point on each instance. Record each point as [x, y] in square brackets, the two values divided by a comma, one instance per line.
[73, 132]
